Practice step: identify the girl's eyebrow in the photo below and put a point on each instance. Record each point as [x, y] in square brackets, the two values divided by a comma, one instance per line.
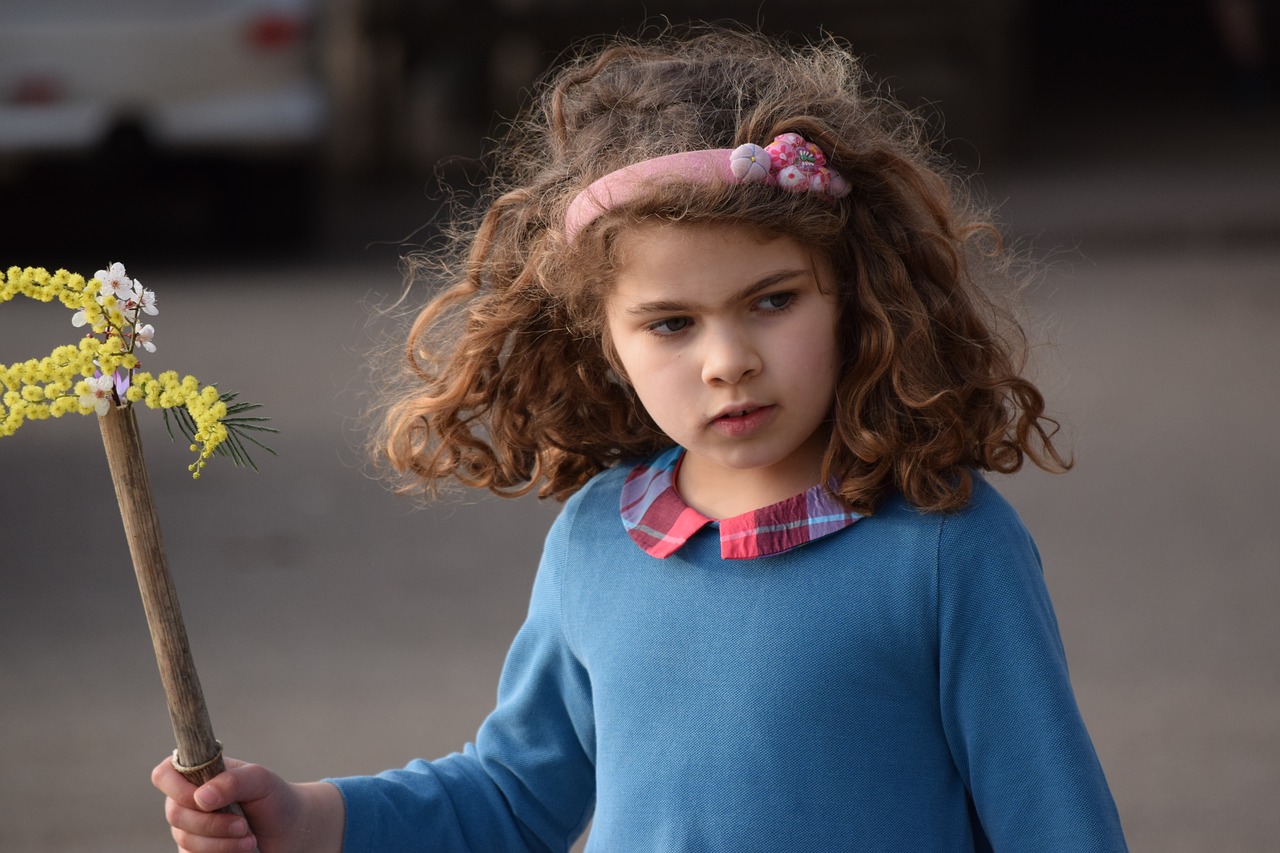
[670, 306]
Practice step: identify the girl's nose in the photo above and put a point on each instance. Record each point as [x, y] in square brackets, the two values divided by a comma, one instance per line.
[730, 356]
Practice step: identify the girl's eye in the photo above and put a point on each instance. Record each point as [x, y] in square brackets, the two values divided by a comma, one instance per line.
[669, 326]
[775, 301]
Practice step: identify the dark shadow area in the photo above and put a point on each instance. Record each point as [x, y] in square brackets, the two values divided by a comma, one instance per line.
[139, 204]
[1141, 57]
[1005, 85]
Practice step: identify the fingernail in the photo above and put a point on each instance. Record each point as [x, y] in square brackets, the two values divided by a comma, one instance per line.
[247, 843]
[206, 799]
[239, 827]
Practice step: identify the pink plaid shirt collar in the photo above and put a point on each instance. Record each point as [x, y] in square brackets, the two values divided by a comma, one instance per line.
[660, 522]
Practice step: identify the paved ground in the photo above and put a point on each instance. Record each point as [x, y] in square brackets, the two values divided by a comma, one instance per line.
[337, 631]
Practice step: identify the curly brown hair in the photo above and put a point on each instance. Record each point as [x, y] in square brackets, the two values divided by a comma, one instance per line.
[509, 383]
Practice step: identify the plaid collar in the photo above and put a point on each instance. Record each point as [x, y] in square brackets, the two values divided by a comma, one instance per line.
[660, 522]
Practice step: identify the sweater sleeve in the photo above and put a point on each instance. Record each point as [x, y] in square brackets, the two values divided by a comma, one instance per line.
[1009, 712]
[527, 783]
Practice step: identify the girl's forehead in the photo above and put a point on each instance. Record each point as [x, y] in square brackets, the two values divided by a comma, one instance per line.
[705, 263]
[690, 247]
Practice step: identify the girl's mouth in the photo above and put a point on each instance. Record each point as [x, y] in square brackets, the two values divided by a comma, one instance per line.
[743, 422]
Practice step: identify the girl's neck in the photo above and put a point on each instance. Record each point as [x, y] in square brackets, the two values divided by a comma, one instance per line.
[720, 492]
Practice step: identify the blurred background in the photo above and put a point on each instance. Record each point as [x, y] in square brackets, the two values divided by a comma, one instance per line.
[264, 164]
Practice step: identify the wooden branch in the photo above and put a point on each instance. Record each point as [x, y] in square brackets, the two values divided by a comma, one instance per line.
[199, 755]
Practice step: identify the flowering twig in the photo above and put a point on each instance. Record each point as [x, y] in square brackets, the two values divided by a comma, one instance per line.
[103, 369]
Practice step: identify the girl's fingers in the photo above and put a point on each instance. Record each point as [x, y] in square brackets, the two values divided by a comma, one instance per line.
[201, 844]
[218, 792]
[208, 824]
[194, 829]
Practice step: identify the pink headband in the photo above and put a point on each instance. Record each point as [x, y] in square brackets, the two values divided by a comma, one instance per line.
[790, 162]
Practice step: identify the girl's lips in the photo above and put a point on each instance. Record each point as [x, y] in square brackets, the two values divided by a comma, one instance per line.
[743, 422]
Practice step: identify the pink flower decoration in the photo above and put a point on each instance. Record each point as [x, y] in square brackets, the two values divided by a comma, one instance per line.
[810, 157]
[793, 178]
[782, 153]
[838, 187]
[790, 161]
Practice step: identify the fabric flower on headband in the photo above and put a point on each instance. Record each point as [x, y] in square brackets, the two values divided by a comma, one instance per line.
[791, 162]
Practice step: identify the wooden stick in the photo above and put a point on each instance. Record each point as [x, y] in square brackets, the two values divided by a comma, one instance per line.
[199, 755]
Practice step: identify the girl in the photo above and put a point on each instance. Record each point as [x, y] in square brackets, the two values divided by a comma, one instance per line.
[726, 304]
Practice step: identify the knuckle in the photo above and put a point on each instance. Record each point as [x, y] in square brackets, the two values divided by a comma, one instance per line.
[180, 839]
[171, 783]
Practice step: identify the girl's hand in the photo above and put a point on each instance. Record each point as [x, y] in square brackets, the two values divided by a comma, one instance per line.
[282, 817]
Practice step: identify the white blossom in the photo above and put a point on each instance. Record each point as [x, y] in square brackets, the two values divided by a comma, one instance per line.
[114, 283]
[143, 298]
[99, 394]
[143, 334]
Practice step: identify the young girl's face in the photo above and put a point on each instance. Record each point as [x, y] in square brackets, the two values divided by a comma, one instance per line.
[728, 338]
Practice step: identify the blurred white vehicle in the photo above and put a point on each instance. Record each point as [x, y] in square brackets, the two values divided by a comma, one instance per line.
[202, 119]
[207, 75]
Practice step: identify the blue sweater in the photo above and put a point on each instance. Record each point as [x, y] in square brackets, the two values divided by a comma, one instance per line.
[897, 686]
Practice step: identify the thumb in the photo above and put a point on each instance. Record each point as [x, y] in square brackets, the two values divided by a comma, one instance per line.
[240, 783]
